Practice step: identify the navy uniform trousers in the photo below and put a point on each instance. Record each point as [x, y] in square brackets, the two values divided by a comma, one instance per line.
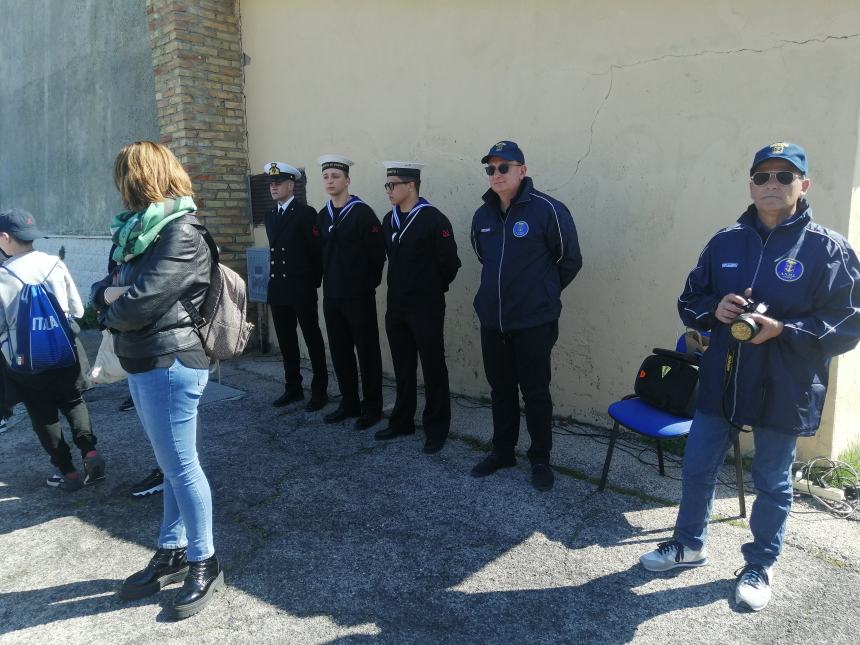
[413, 335]
[352, 327]
[286, 317]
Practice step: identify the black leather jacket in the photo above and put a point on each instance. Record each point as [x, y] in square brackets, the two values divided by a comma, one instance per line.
[148, 320]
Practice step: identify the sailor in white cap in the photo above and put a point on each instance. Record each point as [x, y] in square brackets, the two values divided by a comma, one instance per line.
[295, 273]
[422, 262]
[353, 257]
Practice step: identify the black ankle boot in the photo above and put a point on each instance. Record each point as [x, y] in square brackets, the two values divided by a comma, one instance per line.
[204, 579]
[165, 567]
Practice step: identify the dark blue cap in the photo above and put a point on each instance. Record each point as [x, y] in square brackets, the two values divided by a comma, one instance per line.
[19, 224]
[505, 150]
[791, 152]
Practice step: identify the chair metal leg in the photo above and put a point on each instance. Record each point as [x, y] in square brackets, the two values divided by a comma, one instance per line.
[660, 458]
[612, 438]
[739, 474]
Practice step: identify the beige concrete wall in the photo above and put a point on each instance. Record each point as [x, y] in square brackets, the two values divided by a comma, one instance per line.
[641, 116]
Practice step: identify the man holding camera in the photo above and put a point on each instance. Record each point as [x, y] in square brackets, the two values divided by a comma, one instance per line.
[777, 292]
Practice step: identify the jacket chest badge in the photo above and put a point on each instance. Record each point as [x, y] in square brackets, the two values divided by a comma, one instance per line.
[789, 270]
[521, 229]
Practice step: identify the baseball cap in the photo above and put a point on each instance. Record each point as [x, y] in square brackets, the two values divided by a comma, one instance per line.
[791, 152]
[20, 224]
[505, 150]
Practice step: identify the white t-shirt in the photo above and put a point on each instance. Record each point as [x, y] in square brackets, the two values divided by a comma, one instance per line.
[32, 268]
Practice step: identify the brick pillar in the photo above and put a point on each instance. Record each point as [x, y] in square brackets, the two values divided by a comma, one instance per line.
[197, 59]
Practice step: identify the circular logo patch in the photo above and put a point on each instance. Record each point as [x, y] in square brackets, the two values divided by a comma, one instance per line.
[521, 229]
[789, 270]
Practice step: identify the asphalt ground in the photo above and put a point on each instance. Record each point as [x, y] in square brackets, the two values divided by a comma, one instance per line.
[327, 535]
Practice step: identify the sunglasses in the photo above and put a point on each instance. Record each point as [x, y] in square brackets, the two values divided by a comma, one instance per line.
[391, 184]
[503, 168]
[785, 177]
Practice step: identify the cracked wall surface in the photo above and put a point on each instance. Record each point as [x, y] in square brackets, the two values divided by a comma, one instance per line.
[641, 117]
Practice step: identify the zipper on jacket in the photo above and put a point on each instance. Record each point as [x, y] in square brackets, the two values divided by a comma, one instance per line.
[501, 260]
[740, 345]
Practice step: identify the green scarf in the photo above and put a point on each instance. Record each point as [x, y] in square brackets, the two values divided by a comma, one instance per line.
[133, 232]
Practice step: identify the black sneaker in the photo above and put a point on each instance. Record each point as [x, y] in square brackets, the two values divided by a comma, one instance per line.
[491, 463]
[154, 483]
[94, 468]
[127, 405]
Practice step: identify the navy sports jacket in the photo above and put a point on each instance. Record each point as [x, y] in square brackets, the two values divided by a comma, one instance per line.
[528, 255]
[809, 277]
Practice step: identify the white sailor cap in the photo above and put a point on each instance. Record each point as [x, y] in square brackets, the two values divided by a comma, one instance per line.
[280, 171]
[403, 169]
[338, 162]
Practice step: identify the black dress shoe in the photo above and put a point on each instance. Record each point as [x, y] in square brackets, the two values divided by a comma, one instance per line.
[165, 567]
[290, 396]
[542, 476]
[316, 403]
[204, 579]
[340, 414]
[391, 432]
[491, 463]
[365, 421]
[432, 446]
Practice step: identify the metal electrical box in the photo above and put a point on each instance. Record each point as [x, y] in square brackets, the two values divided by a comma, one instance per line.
[258, 273]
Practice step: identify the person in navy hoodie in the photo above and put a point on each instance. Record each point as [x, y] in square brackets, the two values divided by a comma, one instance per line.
[527, 244]
[774, 382]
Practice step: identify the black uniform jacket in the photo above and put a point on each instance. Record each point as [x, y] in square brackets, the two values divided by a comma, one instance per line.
[353, 251]
[422, 260]
[295, 251]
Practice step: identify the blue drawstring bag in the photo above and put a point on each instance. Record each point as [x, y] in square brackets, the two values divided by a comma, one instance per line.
[43, 337]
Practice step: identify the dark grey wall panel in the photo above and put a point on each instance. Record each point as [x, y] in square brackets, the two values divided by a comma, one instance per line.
[76, 83]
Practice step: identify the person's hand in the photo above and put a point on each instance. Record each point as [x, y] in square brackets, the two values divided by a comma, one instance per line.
[731, 306]
[769, 328]
[112, 294]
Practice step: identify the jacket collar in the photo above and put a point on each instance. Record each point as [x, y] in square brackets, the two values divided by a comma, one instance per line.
[801, 217]
[523, 195]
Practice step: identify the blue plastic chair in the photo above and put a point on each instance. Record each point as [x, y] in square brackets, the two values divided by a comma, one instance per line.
[633, 413]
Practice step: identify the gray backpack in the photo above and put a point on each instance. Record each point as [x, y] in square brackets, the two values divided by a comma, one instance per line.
[222, 321]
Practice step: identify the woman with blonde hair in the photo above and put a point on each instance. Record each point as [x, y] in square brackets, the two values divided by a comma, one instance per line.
[164, 260]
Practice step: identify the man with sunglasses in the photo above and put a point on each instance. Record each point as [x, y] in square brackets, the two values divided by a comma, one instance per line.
[774, 382]
[527, 244]
[294, 277]
[422, 262]
[353, 257]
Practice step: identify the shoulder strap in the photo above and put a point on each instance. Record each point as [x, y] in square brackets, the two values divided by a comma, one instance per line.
[197, 318]
[692, 359]
[15, 275]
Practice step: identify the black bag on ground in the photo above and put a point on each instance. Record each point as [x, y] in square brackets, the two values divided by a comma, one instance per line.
[669, 381]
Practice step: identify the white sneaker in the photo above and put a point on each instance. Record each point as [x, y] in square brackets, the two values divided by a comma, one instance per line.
[54, 480]
[3, 426]
[672, 554]
[753, 588]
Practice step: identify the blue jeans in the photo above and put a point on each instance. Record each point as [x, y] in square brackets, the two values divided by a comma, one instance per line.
[166, 400]
[709, 442]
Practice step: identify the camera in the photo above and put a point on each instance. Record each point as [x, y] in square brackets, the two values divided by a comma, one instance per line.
[744, 328]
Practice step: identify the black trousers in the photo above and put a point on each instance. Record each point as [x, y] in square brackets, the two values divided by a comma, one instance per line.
[410, 336]
[520, 360]
[286, 318]
[45, 396]
[352, 328]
